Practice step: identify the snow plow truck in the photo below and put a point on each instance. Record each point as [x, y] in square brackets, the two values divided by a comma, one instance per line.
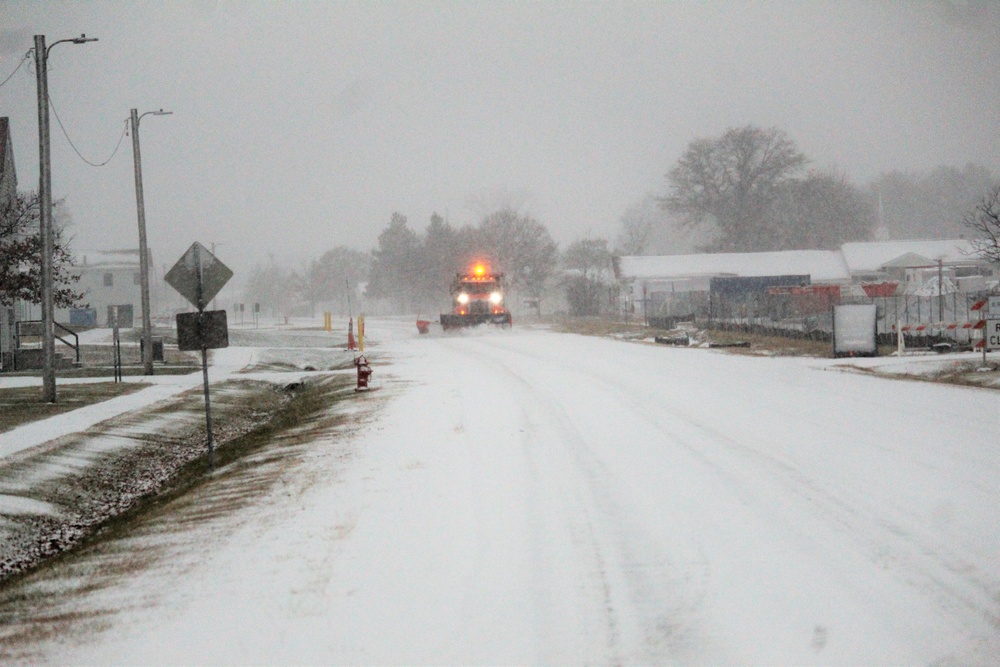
[477, 298]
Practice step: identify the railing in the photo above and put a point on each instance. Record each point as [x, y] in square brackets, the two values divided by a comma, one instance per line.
[34, 329]
[75, 345]
[941, 319]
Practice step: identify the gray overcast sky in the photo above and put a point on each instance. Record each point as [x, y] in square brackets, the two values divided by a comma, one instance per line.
[301, 126]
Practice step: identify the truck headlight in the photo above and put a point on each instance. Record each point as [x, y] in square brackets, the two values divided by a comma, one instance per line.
[496, 297]
[463, 298]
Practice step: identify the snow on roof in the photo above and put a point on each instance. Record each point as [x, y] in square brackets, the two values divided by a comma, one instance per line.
[870, 257]
[107, 258]
[821, 265]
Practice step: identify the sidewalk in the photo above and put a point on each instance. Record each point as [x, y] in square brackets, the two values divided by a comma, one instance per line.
[225, 362]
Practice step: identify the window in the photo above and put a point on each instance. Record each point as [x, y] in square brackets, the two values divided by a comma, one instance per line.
[109, 279]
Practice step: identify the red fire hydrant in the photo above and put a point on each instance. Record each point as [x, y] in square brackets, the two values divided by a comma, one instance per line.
[364, 372]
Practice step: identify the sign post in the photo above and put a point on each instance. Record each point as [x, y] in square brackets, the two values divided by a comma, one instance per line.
[198, 275]
[116, 345]
[991, 332]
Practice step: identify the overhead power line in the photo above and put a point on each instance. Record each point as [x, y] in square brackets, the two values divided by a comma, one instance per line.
[73, 146]
[19, 65]
[27, 57]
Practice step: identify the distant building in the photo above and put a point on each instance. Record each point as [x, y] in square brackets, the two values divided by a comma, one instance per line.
[8, 175]
[679, 285]
[908, 262]
[9, 314]
[109, 279]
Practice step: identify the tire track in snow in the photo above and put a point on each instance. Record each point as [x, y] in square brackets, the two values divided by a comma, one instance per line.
[969, 596]
[647, 606]
[913, 555]
[575, 511]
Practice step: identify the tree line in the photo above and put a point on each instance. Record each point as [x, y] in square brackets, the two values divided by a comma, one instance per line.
[751, 189]
[411, 270]
[328, 281]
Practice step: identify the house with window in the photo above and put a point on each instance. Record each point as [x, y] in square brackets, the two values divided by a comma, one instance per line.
[110, 281]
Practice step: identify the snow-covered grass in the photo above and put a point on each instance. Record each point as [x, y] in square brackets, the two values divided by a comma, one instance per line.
[19, 405]
[111, 453]
[963, 368]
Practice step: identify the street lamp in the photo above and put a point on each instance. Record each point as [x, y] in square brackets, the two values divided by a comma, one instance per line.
[45, 212]
[147, 323]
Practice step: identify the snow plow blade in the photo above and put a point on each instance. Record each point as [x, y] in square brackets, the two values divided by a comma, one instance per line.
[451, 321]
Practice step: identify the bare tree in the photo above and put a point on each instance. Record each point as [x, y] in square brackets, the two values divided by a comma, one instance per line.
[984, 221]
[647, 228]
[587, 281]
[820, 212]
[275, 289]
[485, 202]
[589, 257]
[636, 231]
[335, 275]
[520, 246]
[929, 205]
[732, 182]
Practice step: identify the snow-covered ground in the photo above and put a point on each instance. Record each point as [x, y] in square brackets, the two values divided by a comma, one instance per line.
[531, 497]
[296, 347]
[225, 363]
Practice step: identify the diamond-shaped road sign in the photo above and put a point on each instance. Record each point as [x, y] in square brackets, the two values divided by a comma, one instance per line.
[198, 275]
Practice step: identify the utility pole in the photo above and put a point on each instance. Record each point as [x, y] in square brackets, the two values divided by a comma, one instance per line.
[940, 290]
[45, 221]
[45, 213]
[147, 322]
[645, 314]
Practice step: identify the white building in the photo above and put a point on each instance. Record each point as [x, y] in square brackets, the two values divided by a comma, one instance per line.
[908, 262]
[681, 285]
[109, 279]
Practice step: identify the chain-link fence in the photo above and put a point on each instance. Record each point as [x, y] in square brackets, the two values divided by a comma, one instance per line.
[796, 309]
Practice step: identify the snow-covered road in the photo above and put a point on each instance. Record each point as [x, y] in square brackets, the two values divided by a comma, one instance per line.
[531, 497]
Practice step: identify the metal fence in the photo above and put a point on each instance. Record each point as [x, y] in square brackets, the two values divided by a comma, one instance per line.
[807, 312]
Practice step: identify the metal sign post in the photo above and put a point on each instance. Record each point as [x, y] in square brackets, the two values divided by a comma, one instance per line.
[991, 327]
[208, 409]
[199, 276]
[116, 345]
